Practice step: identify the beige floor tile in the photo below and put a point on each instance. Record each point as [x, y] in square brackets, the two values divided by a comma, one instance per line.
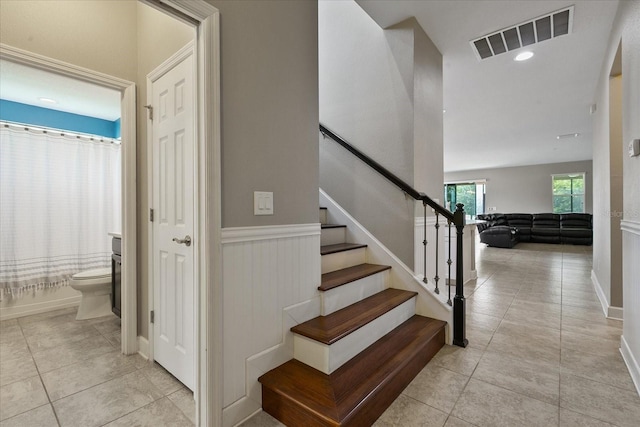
[533, 318]
[543, 308]
[71, 379]
[16, 368]
[163, 380]
[161, 413]
[183, 399]
[532, 349]
[605, 369]
[573, 419]
[514, 329]
[487, 307]
[612, 329]
[590, 314]
[437, 387]
[483, 321]
[590, 344]
[21, 396]
[262, 419]
[42, 416]
[478, 337]
[600, 401]
[108, 325]
[537, 380]
[44, 338]
[405, 411]
[115, 339]
[483, 404]
[456, 422]
[457, 359]
[10, 332]
[70, 353]
[48, 317]
[108, 401]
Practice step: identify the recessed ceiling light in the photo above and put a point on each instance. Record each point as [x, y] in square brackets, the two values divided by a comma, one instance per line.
[568, 135]
[48, 100]
[523, 56]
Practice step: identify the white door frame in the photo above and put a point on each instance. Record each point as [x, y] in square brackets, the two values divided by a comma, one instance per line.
[208, 291]
[127, 89]
[208, 395]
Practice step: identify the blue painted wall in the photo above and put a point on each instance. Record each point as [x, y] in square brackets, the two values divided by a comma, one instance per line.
[28, 114]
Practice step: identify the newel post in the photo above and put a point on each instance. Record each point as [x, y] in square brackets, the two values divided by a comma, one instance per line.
[459, 303]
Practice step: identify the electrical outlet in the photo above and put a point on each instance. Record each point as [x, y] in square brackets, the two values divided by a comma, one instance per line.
[491, 209]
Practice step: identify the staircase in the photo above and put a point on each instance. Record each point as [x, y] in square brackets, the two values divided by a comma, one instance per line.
[354, 360]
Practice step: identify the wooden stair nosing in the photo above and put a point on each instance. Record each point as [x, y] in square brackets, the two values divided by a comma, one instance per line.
[358, 392]
[337, 325]
[340, 247]
[338, 278]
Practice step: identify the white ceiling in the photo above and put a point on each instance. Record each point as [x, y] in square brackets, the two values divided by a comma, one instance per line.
[20, 83]
[500, 112]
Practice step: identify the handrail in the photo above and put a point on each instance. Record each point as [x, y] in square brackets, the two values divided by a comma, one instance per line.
[456, 218]
[391, 177]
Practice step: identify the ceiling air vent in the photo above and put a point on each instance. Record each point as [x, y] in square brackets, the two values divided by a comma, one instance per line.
[543, 28]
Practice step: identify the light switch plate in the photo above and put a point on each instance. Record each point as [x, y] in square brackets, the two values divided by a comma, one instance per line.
[263, 203]
[634, 148]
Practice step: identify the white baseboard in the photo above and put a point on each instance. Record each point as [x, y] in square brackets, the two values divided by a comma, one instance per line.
[143, 347]
[22, 310]
[611, 312]
[631, 362]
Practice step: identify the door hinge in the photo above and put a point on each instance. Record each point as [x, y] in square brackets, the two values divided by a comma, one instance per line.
[151, 215]
[150, 108]
[153, 316]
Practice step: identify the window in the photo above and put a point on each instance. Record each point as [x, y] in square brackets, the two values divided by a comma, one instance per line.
[568, 193]
[470, 194]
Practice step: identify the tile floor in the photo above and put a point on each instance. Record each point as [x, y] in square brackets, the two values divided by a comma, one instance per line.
[56, 371]
[541, 352]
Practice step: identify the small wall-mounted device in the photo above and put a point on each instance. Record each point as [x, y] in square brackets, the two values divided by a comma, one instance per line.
[634, 147]
[263, 203]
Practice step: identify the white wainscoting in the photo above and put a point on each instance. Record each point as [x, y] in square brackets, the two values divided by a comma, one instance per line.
[630, 342]
[40, 301]
[270, 278]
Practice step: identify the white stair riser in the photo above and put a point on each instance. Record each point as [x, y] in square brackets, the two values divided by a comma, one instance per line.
[328, 358]
[333, 236]
[350, 293]
[323, 216]
[340, 260]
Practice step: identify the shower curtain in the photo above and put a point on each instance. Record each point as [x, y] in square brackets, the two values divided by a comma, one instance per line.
[59, 199]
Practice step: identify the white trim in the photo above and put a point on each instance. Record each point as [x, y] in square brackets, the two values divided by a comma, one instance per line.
[632, 364]
[129, 203]
[7, 313]
[209, 329]
[143, 347]
[630, 226]
[610, 312]
[251, 234]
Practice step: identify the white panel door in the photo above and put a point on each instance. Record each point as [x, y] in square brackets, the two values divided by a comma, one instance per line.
[173, 128]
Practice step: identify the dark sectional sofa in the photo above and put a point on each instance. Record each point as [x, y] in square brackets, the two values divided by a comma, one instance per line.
[505, 230]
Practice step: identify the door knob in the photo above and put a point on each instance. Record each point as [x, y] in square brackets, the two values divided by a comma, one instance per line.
[186, 240]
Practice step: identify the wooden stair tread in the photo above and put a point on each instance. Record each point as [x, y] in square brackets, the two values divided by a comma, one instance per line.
[322, 226]
[331, 328]
[350, 274]
[340, 247]
[359, 391]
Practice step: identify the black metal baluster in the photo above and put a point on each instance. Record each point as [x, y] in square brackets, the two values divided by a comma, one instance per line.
[437, 278]
[424, 244]
[449, 262]
[459, 305]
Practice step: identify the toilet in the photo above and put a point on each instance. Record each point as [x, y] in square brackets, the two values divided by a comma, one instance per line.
[95, 286]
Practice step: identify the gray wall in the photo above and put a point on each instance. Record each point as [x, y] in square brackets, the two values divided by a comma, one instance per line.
[373, 85]
[269, 110]
[525, 189]
[615, 124]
